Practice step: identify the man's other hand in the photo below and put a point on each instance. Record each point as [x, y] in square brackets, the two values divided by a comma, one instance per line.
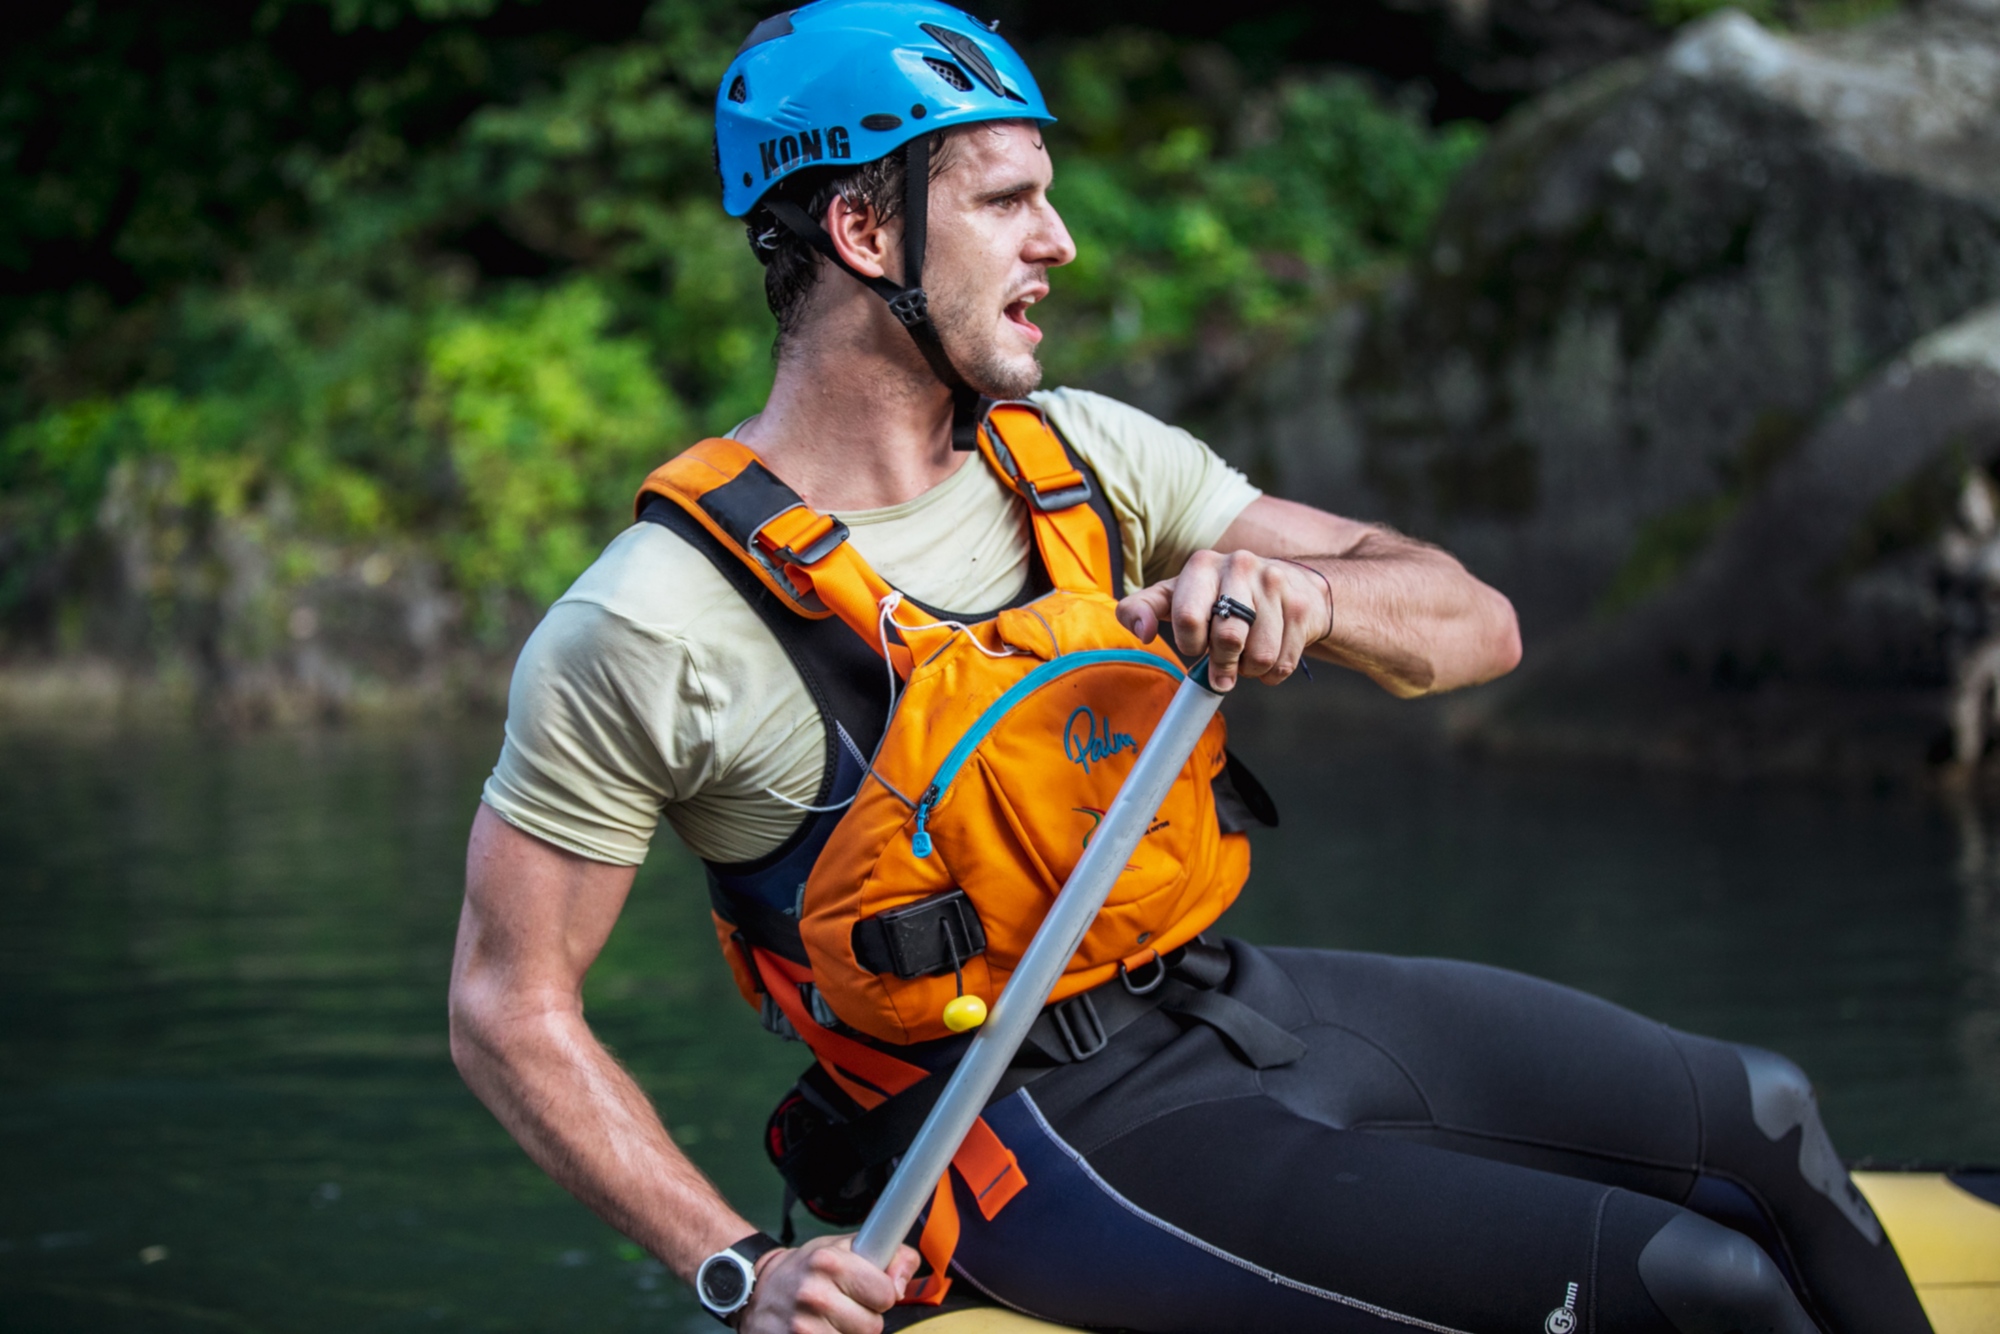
[823, 1287]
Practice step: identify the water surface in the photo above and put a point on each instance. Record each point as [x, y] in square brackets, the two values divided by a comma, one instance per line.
[226, 1102]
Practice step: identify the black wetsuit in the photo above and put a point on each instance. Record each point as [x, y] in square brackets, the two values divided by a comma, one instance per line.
[1459, 1148]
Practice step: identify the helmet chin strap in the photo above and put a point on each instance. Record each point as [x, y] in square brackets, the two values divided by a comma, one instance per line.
[909, 305]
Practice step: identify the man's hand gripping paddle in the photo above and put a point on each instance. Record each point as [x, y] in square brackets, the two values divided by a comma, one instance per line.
[1055, 944]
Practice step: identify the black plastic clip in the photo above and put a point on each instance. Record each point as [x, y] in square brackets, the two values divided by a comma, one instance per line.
[927, 938]
[1081, 1030]
[1067, 497]
[911, 307]
[835, 534]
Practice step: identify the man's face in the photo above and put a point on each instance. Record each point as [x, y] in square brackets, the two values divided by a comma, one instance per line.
[993, 236]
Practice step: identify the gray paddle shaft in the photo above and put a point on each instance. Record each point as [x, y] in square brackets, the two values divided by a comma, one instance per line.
[1027, 991]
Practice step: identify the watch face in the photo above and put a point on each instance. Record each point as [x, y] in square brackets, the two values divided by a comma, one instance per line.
[724, 1284]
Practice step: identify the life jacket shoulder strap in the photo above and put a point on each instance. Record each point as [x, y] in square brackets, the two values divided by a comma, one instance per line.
[804, 558]
[729, 491]
[1073, 523]
[799, 554]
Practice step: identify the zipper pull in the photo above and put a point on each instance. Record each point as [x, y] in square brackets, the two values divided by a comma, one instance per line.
[920, 841]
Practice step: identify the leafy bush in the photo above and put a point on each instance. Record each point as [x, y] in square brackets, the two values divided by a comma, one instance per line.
[1230, 209]
[548, 422]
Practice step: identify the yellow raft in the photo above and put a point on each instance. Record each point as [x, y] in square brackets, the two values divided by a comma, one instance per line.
[1948, 1237]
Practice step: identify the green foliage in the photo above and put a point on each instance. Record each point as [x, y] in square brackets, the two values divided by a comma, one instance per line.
[1232, 210]
[548, 423]
[319, 278]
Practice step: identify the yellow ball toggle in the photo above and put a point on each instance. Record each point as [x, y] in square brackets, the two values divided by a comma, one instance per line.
[964, 1013]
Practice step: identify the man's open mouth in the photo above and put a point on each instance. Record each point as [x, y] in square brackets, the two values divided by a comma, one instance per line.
[1017, 314]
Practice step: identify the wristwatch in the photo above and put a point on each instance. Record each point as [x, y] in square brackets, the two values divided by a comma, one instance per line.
[726, 1279]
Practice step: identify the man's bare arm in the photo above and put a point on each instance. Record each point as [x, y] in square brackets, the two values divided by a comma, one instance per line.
[534, 920]
[1403, 612]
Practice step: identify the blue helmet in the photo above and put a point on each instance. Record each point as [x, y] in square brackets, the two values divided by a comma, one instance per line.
[842, 82]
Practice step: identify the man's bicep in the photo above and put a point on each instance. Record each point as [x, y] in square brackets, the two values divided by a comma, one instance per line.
[1273, 527]
[535, 915]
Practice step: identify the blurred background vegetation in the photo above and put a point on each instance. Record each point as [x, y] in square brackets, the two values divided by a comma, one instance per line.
[344, 298]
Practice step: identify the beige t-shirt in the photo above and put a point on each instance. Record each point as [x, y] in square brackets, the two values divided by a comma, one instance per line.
[651, 688]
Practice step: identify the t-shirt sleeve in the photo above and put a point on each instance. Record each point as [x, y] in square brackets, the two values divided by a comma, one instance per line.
[1172, 494]
[606, 723]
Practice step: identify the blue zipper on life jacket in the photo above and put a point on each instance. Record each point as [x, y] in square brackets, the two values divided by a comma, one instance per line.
[920, 839]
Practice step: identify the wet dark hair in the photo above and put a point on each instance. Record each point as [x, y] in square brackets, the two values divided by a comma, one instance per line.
[791, 267]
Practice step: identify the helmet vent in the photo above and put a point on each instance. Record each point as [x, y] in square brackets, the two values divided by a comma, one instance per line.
[950, 73]
[969, 55]
[778, 25]
[738, 90]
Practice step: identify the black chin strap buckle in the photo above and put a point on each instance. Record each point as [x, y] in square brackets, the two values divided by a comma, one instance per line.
[911, 307]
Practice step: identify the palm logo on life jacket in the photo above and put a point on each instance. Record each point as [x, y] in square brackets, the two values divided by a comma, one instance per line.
[1088, 739]
[940, 836]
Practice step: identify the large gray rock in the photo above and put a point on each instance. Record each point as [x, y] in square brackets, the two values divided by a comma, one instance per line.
[1816, 630]
[1644, 294]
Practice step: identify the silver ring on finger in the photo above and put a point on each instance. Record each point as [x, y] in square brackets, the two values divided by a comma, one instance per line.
[1228, 608]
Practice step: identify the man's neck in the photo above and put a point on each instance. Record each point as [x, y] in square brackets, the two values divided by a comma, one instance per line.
[855, 427]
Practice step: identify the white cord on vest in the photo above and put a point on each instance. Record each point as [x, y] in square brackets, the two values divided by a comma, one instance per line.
[885, 610]
[776, 795]
[894, 599]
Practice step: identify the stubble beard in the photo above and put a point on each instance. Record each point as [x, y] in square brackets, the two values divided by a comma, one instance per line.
[969, 337]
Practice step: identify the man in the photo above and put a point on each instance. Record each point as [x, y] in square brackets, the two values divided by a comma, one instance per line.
[1442, 1146]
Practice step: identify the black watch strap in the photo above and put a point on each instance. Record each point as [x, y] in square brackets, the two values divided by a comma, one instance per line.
[756, 1246]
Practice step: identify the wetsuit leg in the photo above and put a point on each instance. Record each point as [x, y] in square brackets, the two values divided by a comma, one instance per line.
[1487, 1112]
[1305, 1227]
[1520, 1069]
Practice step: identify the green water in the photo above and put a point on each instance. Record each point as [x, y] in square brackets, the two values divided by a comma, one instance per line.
[225, 1099]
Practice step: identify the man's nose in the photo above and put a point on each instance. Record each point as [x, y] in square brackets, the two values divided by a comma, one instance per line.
[1051, 244]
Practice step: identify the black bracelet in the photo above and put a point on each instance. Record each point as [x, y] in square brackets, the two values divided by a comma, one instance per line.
[1329, 592]
[1303, 666]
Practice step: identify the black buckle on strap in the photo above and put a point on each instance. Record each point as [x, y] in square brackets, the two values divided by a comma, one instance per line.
[818, 550]
[1067, 498]
[911, 307]
[1079, 1027]
[1044, 501]
[928, 938]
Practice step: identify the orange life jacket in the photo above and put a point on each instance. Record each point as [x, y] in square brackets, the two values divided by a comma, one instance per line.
[939, 838]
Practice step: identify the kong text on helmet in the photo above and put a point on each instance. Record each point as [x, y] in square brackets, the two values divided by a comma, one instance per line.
[787, 151]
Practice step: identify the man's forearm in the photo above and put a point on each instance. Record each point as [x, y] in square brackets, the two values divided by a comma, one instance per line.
[1411, 618]
[586, 1122]
[1403, 612]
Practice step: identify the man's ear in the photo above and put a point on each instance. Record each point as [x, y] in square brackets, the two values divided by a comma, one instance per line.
[861, 237]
